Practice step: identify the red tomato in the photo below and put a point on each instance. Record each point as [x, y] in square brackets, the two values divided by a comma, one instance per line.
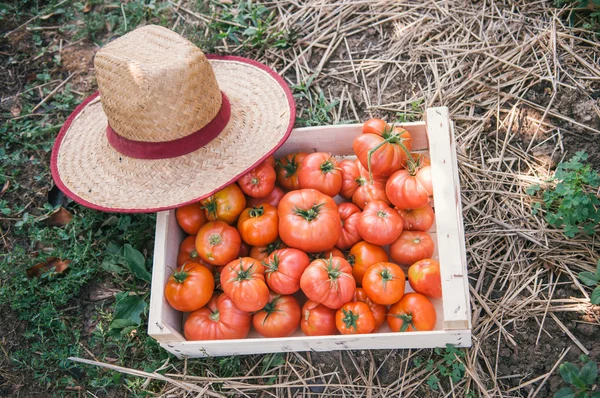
[328, 282]
[218, 243]
[280, 317]
[244, 250]
[317, 320]
[355, 318]
[259, 182]
[349, 214]
[322, 172]
[424, 277]
[333, 252]
[259, 225]
[187, 251]
[417, 219]
[421, 160]
[270, 161]
[410, 247]
[380, 224]
[283, 270]
[219, 320]
[374, 126]
[273, 198]
[362, 256]
[406, 191]
[309, 220]
[262, 253]
[369, 192]
[385, 152]
[287, 170]
[384, 283]
[414, 312]
[190, 218]
[225, 205]
[379, 311]
[243, 280]
[190, 287]
[350, 178]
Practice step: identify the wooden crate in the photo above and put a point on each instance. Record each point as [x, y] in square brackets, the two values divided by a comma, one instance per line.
[435, 136]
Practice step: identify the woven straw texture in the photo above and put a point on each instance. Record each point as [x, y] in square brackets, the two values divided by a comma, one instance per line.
[150, 98]
[97, 173]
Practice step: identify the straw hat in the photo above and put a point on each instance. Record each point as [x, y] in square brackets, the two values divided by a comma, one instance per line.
[169, 125]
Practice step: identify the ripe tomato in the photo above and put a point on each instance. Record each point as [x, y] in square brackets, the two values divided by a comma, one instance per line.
[333, 252]
[309, 220]
[190, 218]
[190, 287]
[414, 312]
[273, 198]
[350, 178]
[262, 253]
[362, 256]
[383, 153]
[287, 170]
[374, 126]
[379, 311]
[421, 160]
[380, 224]
[417, 219]
[322, 172]
[354, 318]
[219, 320]
[218, 243]
[369, 192]
[243, 280]
[225, 205]
[283, 270]
[317, 320]
[328, 282]
[384, 283]
[259, 225]
[270, 161]
[244, 250]
[349, 214]
[410, 247]
[187, 251]
[280, 317]
[424, 277]
[258, 182]
[406, 191]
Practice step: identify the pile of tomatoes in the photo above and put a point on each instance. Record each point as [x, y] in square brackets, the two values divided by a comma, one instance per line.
[277, 236]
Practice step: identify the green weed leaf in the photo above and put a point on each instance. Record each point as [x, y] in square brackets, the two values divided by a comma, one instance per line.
[136, 263]
[588, 278]
[568, 371]
[595, 297]
[589, 373]
[128, 311]
[564, 393]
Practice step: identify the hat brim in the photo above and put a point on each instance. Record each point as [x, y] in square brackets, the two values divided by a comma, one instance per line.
[91, 172]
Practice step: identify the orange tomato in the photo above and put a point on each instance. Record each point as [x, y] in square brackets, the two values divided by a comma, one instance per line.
[384, 283]
[190, 218]
[225, 205]
[190, 287]
[362, 255]
[218, 243]
[322, 172]
[259, 225]
[417, 219]
[379, 311]
[355, 318]
[414, 312]
[317, 320]
[424, 277]
[287, 170]
[280, 317]
[243, 280]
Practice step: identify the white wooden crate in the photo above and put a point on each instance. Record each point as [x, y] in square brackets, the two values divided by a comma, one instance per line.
[434, 135]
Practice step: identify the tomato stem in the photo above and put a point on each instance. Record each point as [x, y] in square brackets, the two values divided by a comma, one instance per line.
[407, 321]
[308, 214]
[334, 273]
[272, 266]
[254, 181]
[290, 167]
[194, 254]
[389, 137]
[386, 276]
[256, 211]
[350, 319]
[382, 214]
[180, 276]
[214, 316]
[327, 166]
[210, 205]
[244, 274]
[215, 239]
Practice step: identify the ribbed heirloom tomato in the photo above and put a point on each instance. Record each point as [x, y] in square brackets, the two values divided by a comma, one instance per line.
[328, 282]
[418, 219]
[333, 252]
[243, 280]
[380, 224]
[414, 312]
[218, 243]
[262, 253]
[379, 311]
[309, 220]
[355, 318]
[287, 170]
[273, 198]
[362, 256]
[350, 178]
[258, 182]
[349, 215]
[424, 277]
[322, 172]
[225, 205]
[190, 218]
[384, 283]
[367, 190]
[317, 320]
[283, 270]
[190, 287]
[259, 225]
[219, 320]
[411, 246]
[410, 189]
[280, 317]
[382, 149]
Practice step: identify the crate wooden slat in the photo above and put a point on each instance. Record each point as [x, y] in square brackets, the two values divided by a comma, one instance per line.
[434, 135]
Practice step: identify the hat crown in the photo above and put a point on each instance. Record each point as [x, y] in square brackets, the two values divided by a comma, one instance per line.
[156, 86]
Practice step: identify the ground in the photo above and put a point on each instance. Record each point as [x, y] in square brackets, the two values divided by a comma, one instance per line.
[520, 81]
